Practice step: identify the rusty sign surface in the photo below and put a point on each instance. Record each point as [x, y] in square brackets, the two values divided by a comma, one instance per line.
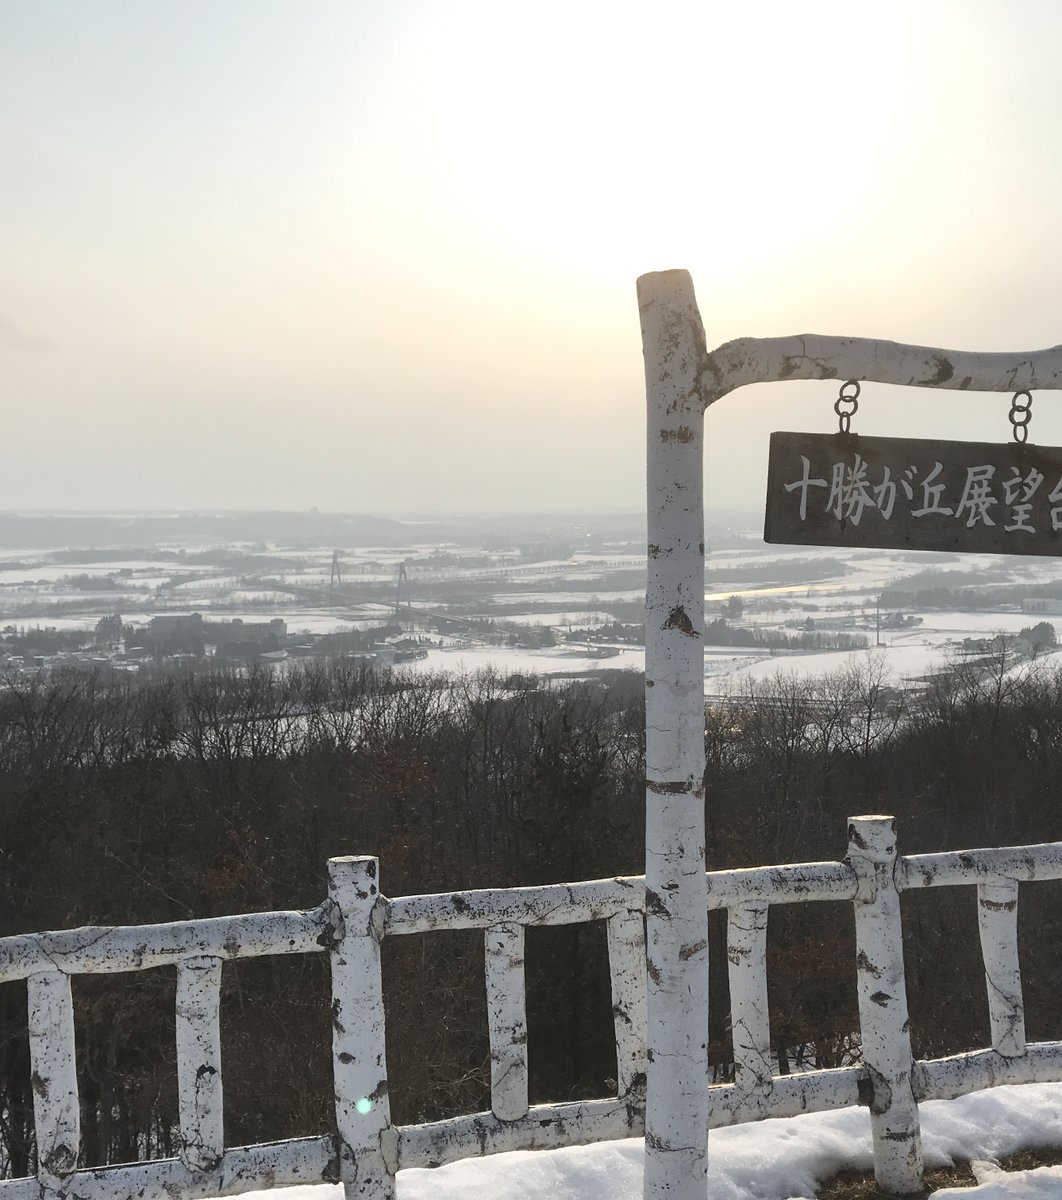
[914, 493]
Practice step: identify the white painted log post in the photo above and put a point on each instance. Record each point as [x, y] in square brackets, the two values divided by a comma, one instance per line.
[506, 1020]
[997, 919]
[53, 1076]
[626, 959]
[366, 1146]
[676, 1135]
[883, 1017]
[199, 1089]
[750, 1024]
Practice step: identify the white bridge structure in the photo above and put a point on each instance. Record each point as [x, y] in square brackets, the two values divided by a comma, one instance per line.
[657, 924]
[365, 1150]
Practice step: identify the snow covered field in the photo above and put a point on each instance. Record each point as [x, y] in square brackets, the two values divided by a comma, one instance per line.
[904, 659]
[783, 588]
[465, 660]
[767, 1160]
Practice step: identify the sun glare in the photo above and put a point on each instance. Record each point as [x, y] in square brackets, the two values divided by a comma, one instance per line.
[575, 141]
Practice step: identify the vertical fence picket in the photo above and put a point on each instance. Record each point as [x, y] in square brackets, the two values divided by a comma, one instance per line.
[750, 1024]
[883, 1017]
[56, 1113]
[199, 1087]
[626, 958]
[367, 1159]
[997, 920]
[506, 1020]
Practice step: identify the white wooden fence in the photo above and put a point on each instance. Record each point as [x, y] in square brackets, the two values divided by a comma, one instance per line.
[366, 1149]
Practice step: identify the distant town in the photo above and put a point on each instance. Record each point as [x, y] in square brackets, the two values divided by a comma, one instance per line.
[554, 596]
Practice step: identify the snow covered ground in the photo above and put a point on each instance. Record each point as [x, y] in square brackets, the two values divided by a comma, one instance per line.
[556, 593]
[465, 660]
[906, 658]
[767, 1160]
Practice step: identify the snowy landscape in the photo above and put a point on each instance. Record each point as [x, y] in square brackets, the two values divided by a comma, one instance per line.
[526, 604]
[526, 601]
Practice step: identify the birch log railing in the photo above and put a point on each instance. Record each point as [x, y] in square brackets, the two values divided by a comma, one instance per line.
[364, 1150]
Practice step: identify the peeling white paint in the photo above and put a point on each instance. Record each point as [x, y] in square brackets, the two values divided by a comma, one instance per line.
[750, 1024]
[676, 914]
[359, 1059]
[53, 1076]
[199, 1088]
[996, 865]
[626, 956]
[96, 950]
[553, 904]
[354, 919]
[506, 1021]
[546, 1127]
[997, 920]
[960, 1074]
[814, 356]
[883, 1019]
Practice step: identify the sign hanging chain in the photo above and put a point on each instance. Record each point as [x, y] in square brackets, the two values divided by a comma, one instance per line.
[844, 398]
[1020, 416]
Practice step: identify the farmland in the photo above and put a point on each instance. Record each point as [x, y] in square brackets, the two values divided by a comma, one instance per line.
[546, 596]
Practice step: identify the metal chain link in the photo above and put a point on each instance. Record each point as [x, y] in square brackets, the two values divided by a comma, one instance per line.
[1020, 416]
[845, 415]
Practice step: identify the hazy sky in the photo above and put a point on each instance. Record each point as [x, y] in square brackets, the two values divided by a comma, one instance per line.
[381, 256]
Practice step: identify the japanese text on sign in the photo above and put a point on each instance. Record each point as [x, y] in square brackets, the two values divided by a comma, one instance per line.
[897, 492]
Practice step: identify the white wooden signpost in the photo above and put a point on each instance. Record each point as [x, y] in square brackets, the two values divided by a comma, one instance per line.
[682, 380]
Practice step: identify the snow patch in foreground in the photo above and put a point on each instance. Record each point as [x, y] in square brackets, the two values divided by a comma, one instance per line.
[1044, 1183]
[765, 1160]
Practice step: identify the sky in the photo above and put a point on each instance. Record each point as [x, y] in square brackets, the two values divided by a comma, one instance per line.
[381, 257]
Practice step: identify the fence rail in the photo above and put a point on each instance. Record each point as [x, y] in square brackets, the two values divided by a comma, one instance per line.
[364, 1152]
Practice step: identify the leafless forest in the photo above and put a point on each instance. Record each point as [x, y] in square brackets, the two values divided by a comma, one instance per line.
[158, 799]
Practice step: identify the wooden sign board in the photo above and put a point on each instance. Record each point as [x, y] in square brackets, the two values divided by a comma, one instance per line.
[914, 494]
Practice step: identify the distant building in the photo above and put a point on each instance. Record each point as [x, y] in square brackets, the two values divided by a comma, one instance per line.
[171, 632]
[266, 634]
[170, 625]
[1002, 643]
